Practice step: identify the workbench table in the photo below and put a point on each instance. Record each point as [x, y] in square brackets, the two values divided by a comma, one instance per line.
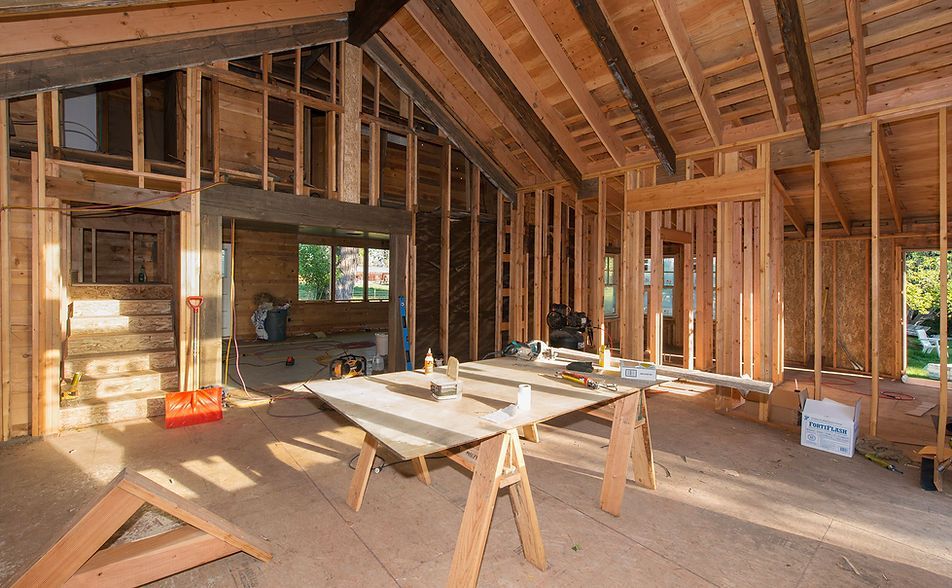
[396, 410]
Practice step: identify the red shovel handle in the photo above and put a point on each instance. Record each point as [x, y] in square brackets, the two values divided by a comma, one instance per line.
[195, 302]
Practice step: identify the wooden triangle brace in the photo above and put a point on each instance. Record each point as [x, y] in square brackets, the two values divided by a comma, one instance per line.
[76, 557]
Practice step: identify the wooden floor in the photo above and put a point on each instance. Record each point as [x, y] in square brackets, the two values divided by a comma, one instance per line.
[737, 504]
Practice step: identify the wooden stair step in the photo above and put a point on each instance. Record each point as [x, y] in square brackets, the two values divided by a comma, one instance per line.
[120, 343]
[75, 414]
[121, 291]
[106, 364]
[146, 323]
[110, 387]
[82, 308]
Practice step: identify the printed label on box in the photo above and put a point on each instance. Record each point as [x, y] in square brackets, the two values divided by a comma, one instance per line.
[638, 370]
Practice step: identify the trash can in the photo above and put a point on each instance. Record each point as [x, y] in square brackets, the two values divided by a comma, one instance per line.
[276, 324]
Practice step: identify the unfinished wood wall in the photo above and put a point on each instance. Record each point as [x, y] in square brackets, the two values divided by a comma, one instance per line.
[267, 261]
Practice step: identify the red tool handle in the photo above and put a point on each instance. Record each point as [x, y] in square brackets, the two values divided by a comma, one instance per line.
[195, 302]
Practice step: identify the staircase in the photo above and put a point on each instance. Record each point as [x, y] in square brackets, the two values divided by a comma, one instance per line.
[122, 339]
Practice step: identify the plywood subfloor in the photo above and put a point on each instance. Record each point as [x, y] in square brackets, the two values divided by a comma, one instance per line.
[738, 504]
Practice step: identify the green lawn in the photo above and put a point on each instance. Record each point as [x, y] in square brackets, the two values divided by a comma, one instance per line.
[917, 360]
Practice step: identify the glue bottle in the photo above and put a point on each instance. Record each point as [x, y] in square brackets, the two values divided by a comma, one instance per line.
[428, 362]
[605, 357]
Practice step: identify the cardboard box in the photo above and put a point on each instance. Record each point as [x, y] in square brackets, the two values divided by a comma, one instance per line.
[638, 370]
[829, 426]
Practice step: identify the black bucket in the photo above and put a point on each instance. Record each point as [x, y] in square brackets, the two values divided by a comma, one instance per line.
[276, 324]
[926, 472]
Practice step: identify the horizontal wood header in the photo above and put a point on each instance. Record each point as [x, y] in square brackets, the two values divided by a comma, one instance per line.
[745, 185]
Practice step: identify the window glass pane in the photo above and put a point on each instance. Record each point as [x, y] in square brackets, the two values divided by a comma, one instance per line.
[349, 274]
[314, 272]
[611, 308]
[378, 274]
[667, 301]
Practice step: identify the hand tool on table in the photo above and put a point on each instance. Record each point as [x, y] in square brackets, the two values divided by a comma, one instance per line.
[585, 380]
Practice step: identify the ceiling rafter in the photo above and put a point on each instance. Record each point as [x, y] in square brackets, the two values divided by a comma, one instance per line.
[768, 65]
[790, 208]
[828, 186]
[493, 40]
[889, 177]
[601, 32]
[563, 67]
[796, 48]
[691, 66]
[490, 69]
[854, 18]
[455, 55]
[447, 96]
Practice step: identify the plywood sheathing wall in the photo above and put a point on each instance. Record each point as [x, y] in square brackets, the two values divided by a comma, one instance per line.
[847, 317]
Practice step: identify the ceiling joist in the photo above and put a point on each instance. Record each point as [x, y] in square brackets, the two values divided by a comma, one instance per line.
[889, 179]
[693, 72]
[454, 54]
[484, 61]
[854, 18]
[828, 186]
[565, 70]
[768, 65]
[600, 31]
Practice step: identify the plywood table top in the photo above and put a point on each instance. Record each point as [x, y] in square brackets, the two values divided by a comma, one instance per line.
[398, 410]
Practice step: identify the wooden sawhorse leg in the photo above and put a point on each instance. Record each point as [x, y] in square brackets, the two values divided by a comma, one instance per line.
[531, 433]
[630, 440]
[365, 463]
[500, 464]
[422, 472]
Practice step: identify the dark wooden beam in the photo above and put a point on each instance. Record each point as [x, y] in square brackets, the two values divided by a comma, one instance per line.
[796, 48]
[597, 25]
[429, 102]
[490, 69]
[29, 74]
[368, 16]
[255, 204]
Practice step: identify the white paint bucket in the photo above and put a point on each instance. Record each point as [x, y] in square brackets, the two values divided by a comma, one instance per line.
[383, 343]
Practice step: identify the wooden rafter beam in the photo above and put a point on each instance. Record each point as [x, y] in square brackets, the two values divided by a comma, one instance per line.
[790, 208]
[600, 31]
[367, 18]
[493, 40]
[23, 75]
[889, 179]
[485, 62]
[453, 101]
[828, 186]
[854, 18]
[693, 72]
[563, 67]
[768, 65]
[409, 81]
[455, 55]
[796, 47]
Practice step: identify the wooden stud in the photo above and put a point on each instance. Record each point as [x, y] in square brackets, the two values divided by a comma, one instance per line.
[500, 254]
[138, 127]
[190, 221]
[265, 122]
[578, 296]
[474, 250]
[445, 205]
[374, 170]
[941, 447]
[556, 258]
[538, 244]
[351, 91]
[598, 267]
[817, 280]
[874, 222]
[6, 356]
[655, 314]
